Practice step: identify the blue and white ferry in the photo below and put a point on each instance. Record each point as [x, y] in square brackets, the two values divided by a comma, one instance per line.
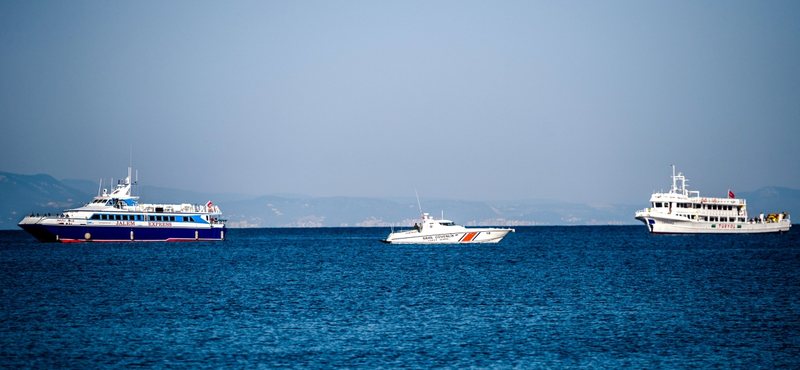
[119, 217]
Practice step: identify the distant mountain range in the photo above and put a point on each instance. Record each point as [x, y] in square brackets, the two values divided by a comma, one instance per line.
[23, 194]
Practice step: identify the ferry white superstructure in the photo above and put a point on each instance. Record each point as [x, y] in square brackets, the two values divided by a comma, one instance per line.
[681, 211]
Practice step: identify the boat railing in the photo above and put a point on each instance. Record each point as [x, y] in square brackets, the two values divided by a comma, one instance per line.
[183, 208]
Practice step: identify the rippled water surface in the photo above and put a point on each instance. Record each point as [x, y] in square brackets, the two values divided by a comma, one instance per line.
[545, 297]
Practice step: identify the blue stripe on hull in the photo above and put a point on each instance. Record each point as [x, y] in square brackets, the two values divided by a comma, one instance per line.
[78, 233]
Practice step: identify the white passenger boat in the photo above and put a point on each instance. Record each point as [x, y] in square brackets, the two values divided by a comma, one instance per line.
[681, 211]
[441, 231]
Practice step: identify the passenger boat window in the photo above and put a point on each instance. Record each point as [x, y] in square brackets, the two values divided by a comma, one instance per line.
[658, 205]
[158, 218]
[124, 217]
[172, 218]
[95, 217]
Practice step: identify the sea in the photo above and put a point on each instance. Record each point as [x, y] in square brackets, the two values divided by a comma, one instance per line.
[545, 297]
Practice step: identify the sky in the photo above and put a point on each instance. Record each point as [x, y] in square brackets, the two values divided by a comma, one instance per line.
[583, 101]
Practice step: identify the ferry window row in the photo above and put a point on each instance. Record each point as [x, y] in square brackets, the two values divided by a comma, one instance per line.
[716, 207]
[113, 217]
[722, 219]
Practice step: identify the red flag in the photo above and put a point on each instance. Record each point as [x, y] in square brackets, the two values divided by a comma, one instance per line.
[730, 194]
[209, 205]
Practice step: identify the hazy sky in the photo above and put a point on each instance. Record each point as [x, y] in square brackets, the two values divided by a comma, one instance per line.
[569, 100]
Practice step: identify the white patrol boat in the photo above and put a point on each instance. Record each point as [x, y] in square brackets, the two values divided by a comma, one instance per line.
[441, 231]
[684, 212]
[118, 217]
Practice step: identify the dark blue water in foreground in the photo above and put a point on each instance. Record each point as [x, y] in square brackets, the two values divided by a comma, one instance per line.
[545, 297]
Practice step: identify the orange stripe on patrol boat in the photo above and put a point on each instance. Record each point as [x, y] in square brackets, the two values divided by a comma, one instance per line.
[469, 237]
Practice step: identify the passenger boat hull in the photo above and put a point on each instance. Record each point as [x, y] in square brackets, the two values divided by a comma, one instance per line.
[84, 233]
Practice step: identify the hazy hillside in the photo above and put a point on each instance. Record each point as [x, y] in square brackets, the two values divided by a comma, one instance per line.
[23, 194]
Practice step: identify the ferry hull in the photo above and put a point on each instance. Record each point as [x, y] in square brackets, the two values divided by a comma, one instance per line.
[660, 226]
[469, 237]
[82, 233]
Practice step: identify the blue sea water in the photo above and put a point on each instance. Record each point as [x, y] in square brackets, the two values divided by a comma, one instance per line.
[544, 297]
